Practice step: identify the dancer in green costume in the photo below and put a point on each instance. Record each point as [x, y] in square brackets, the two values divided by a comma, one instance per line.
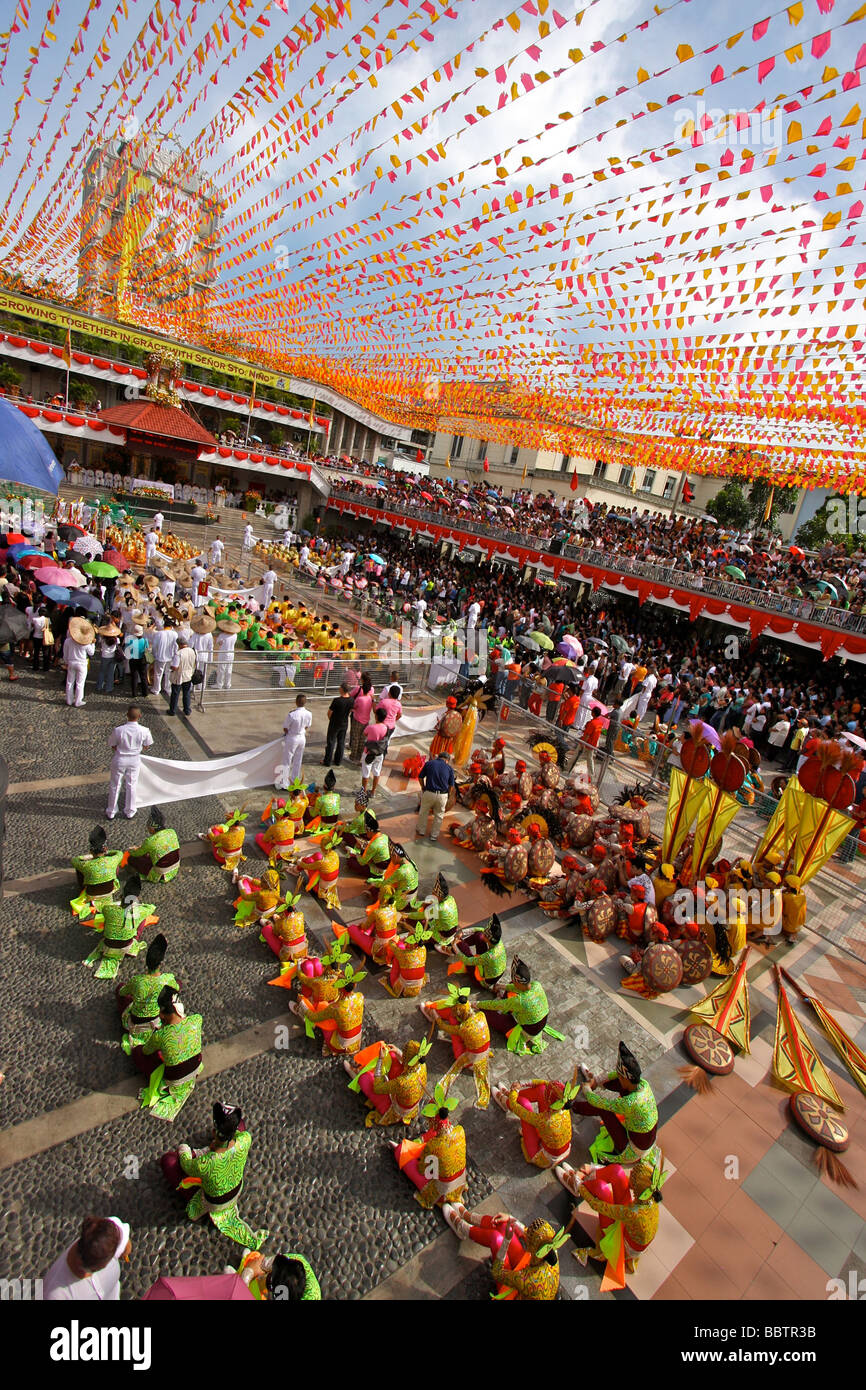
[121, 923]
[482, 952]
[141, 1014]
[157, 858]
[521, 1012]
[178, 1042]
[97, 875]
[220, 1173]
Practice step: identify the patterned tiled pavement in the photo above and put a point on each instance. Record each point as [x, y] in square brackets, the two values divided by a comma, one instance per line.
[746, 1214]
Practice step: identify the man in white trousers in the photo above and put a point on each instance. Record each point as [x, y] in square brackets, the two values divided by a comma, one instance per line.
[163, 642]
[295, 741]
[199, 575]
[202, 628]
[80, 644]
[216, 552]
[639, 701]
[224, 652]
[269, 579]
[151, 541]
[248, 536]
[128, 740]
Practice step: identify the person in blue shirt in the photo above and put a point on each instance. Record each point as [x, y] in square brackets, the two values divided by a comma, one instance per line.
[437, 779]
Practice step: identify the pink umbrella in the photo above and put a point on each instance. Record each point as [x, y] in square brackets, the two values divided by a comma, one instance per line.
[63, 579]
[212, 1288]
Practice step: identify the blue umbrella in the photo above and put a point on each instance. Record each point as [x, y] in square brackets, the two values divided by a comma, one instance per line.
[56, 594]
[23, 548]
[377, 559]
[87, 601]
[75, 598]
[25, 456]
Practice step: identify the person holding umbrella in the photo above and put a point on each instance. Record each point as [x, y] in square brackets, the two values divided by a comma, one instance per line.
[80, 644]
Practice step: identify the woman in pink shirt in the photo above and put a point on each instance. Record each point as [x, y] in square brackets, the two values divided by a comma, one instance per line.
[390, 703]
[362, 711]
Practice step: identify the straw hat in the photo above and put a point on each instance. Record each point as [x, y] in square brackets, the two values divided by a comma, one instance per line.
[185, 608]
[81, 631]
[203, 623]
[150, 582]
[226, 625]
[110, 630]
[143, 619]
[127, 581]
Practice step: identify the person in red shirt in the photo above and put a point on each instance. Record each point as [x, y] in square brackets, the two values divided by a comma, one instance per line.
[569, 710]
[554, 695]
[589, 742]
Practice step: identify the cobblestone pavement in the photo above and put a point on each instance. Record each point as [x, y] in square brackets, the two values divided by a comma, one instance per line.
[746, 1214]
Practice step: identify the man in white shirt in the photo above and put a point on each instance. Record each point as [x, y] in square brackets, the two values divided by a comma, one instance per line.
[150, 544]
[163, 643]
[473, 613]
[80, 644]
[269, 579]
[182, 668]
[778, 734]
[199, 575]
[158, 519]
[202, 644]
[216, 553]
[248, 536]
[304, 554]
[89, 1271]
[128, 740]
[295, 741]
[224, 654]
[648, 685]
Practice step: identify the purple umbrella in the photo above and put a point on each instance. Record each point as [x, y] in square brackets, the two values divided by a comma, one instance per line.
[710, 734]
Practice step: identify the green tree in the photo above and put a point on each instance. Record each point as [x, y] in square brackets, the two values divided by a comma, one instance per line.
[10, 378]
[82, 393]
[783, 500]
[730, 506]
[823, 528]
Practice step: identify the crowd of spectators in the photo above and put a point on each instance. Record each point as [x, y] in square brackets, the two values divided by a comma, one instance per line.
[698, 546]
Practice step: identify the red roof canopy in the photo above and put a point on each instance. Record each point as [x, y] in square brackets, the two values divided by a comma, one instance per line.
[148, 417]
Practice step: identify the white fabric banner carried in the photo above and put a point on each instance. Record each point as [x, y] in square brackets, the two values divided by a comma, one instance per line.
[409, 724]
[257, 593]
[163, 780]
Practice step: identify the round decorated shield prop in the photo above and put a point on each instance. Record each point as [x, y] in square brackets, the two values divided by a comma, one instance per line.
[709, 1049]
[820, 1121]
[661, 967]
[697, 959]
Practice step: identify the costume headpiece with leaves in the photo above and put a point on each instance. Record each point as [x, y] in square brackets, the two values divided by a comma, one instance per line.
[441, 1101]
[652, 1191]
